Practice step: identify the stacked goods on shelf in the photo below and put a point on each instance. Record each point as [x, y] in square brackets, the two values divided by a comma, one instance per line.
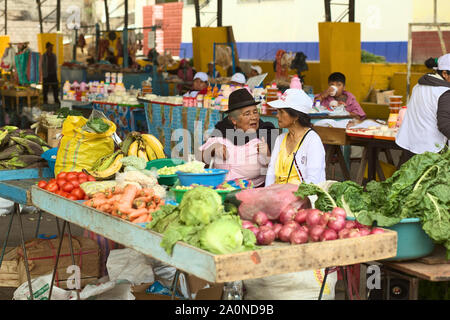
[21, 149]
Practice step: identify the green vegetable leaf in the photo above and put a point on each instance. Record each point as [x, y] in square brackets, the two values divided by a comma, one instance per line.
[325, 201]
[200, 206]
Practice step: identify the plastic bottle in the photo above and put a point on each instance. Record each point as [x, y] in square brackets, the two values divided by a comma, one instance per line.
[296, 83]
[66, 89]
[401, 116]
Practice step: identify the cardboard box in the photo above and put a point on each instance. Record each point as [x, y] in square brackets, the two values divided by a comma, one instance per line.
[380, 96]
[52, 136]
[9, 275]
[196, 286]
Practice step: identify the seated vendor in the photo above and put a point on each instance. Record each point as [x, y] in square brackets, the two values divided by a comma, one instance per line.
[238, 80]
[241, 142]
[199, 86]
[340, 97]
[255, 71]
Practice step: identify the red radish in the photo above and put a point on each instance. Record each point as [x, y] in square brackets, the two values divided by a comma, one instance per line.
[337, 223]
[247, 224]
[304, 227]
[343, 234]
[300, 216]
[260, 218]
[285, 233]
[328, 234]
[299, 236]
[313, 217]
[359, 225]
[255, 230]
[354, 233]
[324, 219]
[276, 228]
[377, 231]
[339, 211]
[364, 232]
[350, 224]
[269, 224]
[315, 232]
[293, 224]
[287, 216]
[265, 236]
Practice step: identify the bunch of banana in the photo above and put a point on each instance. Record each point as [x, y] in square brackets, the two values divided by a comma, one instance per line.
[144, 146]
[21, 149]
[106, 167]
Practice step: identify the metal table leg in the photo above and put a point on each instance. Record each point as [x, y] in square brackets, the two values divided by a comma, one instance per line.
[6, 240]
[25, 258]
[324, 283]
[57, 259]
[73, 258]
[38, 224]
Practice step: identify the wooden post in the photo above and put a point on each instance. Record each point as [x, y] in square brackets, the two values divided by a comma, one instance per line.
[351, 11]
[125, 37]
[327, 10]
[197, 13]
[107, 15]
[58, 15]
[219, 12]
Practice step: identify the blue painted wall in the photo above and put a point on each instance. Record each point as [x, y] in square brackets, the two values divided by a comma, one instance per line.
[395, 52]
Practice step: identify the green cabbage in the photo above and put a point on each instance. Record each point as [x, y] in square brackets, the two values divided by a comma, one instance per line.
[225, 236]
[199, 206]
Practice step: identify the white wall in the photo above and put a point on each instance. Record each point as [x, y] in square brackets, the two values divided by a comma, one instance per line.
[297, 20]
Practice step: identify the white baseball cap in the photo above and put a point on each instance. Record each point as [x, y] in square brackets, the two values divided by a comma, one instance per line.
[202, 76]
[294, 99]
[257, 69]
[238, 77]
[444, 62]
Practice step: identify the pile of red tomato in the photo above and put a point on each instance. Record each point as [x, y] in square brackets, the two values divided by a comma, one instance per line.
[67, 184]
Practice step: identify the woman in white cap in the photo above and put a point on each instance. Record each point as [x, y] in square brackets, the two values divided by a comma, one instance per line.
[298, 155]
[199, 85]
[426, 124]
[238, 80]
[255, 71]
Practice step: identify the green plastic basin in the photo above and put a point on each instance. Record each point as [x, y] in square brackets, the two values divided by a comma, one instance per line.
[166, 180]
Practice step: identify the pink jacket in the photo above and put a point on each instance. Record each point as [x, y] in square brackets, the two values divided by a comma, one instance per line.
[351, 104]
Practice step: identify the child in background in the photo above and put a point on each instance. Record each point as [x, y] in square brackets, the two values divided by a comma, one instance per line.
[341, 97]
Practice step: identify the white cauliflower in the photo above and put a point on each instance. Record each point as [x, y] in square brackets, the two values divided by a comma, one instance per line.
[160, 191]
[145, 181]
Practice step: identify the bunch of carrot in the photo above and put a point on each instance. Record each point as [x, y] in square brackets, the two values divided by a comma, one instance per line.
[128, 203]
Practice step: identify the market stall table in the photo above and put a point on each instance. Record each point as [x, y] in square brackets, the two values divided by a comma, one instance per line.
[17, 94]
[269, 260]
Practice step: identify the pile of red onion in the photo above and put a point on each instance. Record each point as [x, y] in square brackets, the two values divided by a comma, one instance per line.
[306, 225]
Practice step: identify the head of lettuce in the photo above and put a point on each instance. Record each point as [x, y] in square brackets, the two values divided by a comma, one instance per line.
[199, 206]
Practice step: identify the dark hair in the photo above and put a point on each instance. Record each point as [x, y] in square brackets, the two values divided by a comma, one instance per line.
[303, 119]
[336, 77]
[431, 63]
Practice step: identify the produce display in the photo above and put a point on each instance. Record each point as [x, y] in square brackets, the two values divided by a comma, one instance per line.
[144, 146]
[419, 189]
[306, 225]
[129, 203]
[21, 149]
[202, 220]
[68, 185]
[189, 167]
[230, 185]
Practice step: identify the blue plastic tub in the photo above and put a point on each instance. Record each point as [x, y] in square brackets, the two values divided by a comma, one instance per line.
[412, 241]
[212, 177]
[47, 155]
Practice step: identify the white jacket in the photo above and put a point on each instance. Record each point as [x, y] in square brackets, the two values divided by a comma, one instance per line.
[310, 159]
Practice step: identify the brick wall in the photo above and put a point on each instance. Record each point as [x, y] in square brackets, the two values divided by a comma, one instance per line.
[171, 16]
[426, 44]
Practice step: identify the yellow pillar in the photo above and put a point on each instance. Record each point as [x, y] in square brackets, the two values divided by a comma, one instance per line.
[58, 48]
[203, 40]
[340, 51]
[4, 43]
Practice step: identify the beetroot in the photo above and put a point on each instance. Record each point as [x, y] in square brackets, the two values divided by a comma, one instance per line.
[285, 233]
[276, 228]
[339, 211]
[313, 217]
[260, 218]
[247, 224]
[337, 223]
[315, 232]
[287, 216]
[265, 236]
[328, 234]
[299, 236]
[300, 216]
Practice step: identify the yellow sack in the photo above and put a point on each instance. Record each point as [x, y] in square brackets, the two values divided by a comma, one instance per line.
[80, 149]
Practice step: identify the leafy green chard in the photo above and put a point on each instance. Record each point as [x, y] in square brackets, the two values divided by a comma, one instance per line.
[324, 202]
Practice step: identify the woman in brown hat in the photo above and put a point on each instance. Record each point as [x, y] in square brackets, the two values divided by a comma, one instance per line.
[241, 142]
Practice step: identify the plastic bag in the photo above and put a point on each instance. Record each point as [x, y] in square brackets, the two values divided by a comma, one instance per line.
[128, 264]
[272, 200]
[6, 206]
[304, 285]
[80, 149]
[41, 289]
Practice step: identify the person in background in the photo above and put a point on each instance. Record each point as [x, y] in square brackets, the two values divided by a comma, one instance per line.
[255, 71]
[199, 85]
[341, 97]
[211, 73]
[49, 73]
[426, 124]
[238, 80]
[241, 142]
[298, 155]
[111, 58]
